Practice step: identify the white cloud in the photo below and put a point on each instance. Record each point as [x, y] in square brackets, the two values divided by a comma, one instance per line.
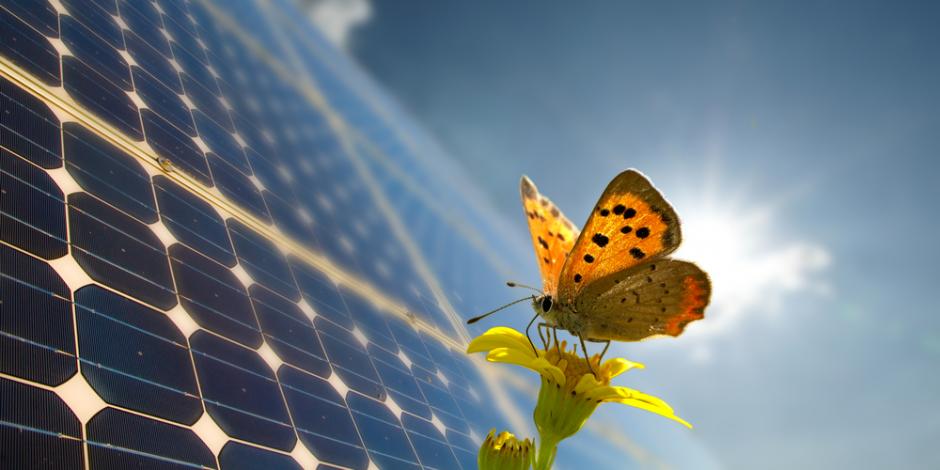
[338, 18]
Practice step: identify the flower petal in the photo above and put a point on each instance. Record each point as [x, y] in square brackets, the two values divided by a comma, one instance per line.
[520, 358]
[654, 409]
[500, 337]
[619, 365]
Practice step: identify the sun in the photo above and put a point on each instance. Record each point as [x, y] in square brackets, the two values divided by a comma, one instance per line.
[751, 266]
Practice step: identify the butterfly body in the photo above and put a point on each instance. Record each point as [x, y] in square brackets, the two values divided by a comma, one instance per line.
[613, 280]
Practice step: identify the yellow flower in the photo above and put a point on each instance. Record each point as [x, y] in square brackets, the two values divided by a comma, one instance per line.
[504, 452]
[570, 392]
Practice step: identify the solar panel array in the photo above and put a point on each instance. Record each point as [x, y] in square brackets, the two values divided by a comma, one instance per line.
[205, 255]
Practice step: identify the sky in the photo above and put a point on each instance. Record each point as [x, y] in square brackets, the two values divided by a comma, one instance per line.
[800, 145]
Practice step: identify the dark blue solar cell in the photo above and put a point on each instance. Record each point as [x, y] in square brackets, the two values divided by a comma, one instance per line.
[266, 171]
[144, 20]
[288, 332]
[241, 393]
[164, 101]
[235, 185]
[431, 446]
[206, 101]
[100, 96]
[368, 318]
[213, 296]
[185, 39]
[175, 10]
[266, 265]
[289, 220]
[107, 5]
[193, 221]
[119, 251]
[320, 292]
[349, 359]
[29, 128]
[464, 449]
[117, 439]
[32, 208]
[439, 398]
[38, 14]
[381, 432]
[322, 419]
[28, 49]
[175, 146]
[95, 52]
[37, 341]
[134, 356]
[151, 60]
[221, 142]
[107, 172]
[399, 383]
[411, 344]
[37, 429]
[238, 456]
[97, 20]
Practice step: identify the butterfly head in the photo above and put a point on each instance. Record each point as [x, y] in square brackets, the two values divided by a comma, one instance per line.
[543, 303]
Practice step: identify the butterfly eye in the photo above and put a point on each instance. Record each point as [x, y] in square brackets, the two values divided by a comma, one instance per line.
[546, 303]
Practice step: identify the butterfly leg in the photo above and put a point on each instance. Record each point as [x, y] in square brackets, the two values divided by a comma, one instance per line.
[529, 326]
[555, 338]
[587, 357]
[542, 336]
[606, 346]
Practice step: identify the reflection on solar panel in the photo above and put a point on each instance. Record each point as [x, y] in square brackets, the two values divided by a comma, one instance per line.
[222, 247]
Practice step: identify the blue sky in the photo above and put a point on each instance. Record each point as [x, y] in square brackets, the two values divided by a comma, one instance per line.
[800, 144]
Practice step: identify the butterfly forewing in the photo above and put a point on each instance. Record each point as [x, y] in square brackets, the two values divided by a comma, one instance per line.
[631, 224]
[656, 298]
[553, 234]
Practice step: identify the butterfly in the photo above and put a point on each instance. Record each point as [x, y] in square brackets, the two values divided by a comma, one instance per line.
[613, 279]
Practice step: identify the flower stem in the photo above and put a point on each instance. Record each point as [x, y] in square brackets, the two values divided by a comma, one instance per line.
[546, 454]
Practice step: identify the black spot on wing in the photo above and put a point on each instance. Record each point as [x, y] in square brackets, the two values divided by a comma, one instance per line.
[588, 259]
[637, 253]
[600, 240]
[629, 213]
[643, 232]
[619, 208]
[626, 229]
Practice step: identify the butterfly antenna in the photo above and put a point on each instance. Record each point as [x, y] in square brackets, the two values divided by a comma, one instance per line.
[516, 284]
[480, 317]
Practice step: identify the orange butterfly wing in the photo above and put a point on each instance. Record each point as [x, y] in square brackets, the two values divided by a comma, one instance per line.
[553, 234]
[631, 224]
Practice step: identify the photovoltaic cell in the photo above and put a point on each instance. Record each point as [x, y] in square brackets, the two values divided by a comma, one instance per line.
[134, 356]
[193, 221]
[241, 393]
[164, 101]
[214, 296]
[350, 359]
[38, 14]
[117, 250]
[262, 260]
[236, 456]
[101, 96]
[95, 52]
[175, 146]
[97, 17]
[118, 439]
[322, 419]
[107, 172]
[382, 434]
[289, 332]
[32, 208]
[237, 186]
[36, 335]
[49, 439]
[29, 128]
[29, 49]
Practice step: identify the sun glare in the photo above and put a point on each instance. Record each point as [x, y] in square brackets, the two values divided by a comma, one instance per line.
[749, 267]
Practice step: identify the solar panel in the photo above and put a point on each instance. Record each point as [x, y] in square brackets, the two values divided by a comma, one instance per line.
[223, 246]
[200, 266]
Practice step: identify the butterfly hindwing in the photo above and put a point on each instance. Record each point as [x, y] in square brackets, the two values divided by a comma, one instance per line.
[553, 234]
[656, 298]
[631, 224]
